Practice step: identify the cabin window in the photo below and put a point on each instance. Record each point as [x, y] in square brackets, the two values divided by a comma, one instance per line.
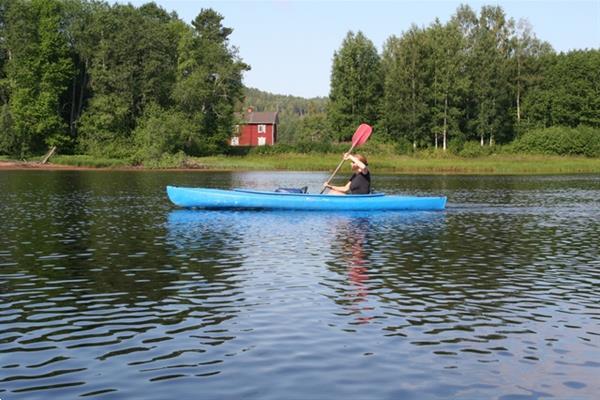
[262, 141]
[262, 128]
[235, 141]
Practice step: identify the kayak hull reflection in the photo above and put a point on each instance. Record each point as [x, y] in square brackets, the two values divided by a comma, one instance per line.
[250, 199]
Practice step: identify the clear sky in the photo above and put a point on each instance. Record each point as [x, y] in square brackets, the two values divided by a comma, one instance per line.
[290, 44]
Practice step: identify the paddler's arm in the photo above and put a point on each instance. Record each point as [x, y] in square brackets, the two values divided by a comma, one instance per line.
[341, 189]
[362, 167]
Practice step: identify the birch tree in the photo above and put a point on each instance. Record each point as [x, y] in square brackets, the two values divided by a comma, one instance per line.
[527, 52]
[449, 81]
[491, 51]
[405, 87]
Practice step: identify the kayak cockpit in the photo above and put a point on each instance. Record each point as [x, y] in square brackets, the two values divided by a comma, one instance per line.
[261, 192]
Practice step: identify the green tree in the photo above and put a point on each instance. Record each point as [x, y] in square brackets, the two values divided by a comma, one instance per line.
[569, 94]
[526, 54]
[356, 85]
[132, 65]
[449, 81]
[404, 109]
[312, 128]
[3, 52]
[39, 70]
[209, 81]
[84, 31]
[161, 132]
[466, 20]
[490, 73]
[7, 137]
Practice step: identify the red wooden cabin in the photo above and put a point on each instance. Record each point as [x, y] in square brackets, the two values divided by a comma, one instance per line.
[257, 129]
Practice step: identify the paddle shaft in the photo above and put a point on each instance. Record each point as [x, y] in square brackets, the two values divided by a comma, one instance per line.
[337, 169]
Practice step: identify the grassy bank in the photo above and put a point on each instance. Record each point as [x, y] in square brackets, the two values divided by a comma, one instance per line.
[495, 164]
[388, 163]
[89, 161]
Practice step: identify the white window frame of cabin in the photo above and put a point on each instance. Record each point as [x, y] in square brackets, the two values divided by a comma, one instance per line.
[262, 141]
[235, 141]
[262, 128]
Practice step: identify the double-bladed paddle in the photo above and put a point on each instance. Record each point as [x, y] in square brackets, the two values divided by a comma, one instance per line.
[360, 136]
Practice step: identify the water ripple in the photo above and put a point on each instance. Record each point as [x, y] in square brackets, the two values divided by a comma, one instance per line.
[108, 292]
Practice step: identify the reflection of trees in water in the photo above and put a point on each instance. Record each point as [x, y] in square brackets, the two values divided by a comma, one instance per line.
[205, 246]
[366, 248]
[349, 248]
[422, 270]
[93, 270]
[360, 255]
[423, 267]
[90, 244]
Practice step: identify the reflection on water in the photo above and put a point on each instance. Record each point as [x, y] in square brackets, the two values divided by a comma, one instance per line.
[107, 291]
[353, 237]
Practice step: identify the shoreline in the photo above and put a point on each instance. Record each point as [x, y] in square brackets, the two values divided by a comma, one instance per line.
[491, 166]
[29, 165]
[37, 166]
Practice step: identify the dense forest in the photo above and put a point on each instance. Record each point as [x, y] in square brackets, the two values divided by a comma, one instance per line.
[478, 78]
[115, 81]
[139, 83]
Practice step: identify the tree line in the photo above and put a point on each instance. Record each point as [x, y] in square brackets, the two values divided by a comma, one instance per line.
[114, 80]
[138, 82]
[481, 78]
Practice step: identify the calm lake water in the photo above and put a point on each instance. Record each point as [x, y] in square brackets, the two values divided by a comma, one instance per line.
[108, 291]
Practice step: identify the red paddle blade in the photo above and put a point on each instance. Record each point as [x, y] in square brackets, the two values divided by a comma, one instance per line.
[361, 135]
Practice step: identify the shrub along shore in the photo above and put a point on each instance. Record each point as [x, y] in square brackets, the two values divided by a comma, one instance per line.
[432, 163]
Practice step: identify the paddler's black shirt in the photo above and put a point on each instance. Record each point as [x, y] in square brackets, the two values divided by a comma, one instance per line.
[360, 184]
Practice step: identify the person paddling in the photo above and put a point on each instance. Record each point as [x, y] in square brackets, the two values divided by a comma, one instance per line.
[360, 181]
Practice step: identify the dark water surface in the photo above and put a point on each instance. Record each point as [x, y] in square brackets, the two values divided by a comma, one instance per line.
[109, 292]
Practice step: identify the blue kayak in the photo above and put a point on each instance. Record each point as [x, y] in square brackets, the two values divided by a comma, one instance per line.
[252, 199]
